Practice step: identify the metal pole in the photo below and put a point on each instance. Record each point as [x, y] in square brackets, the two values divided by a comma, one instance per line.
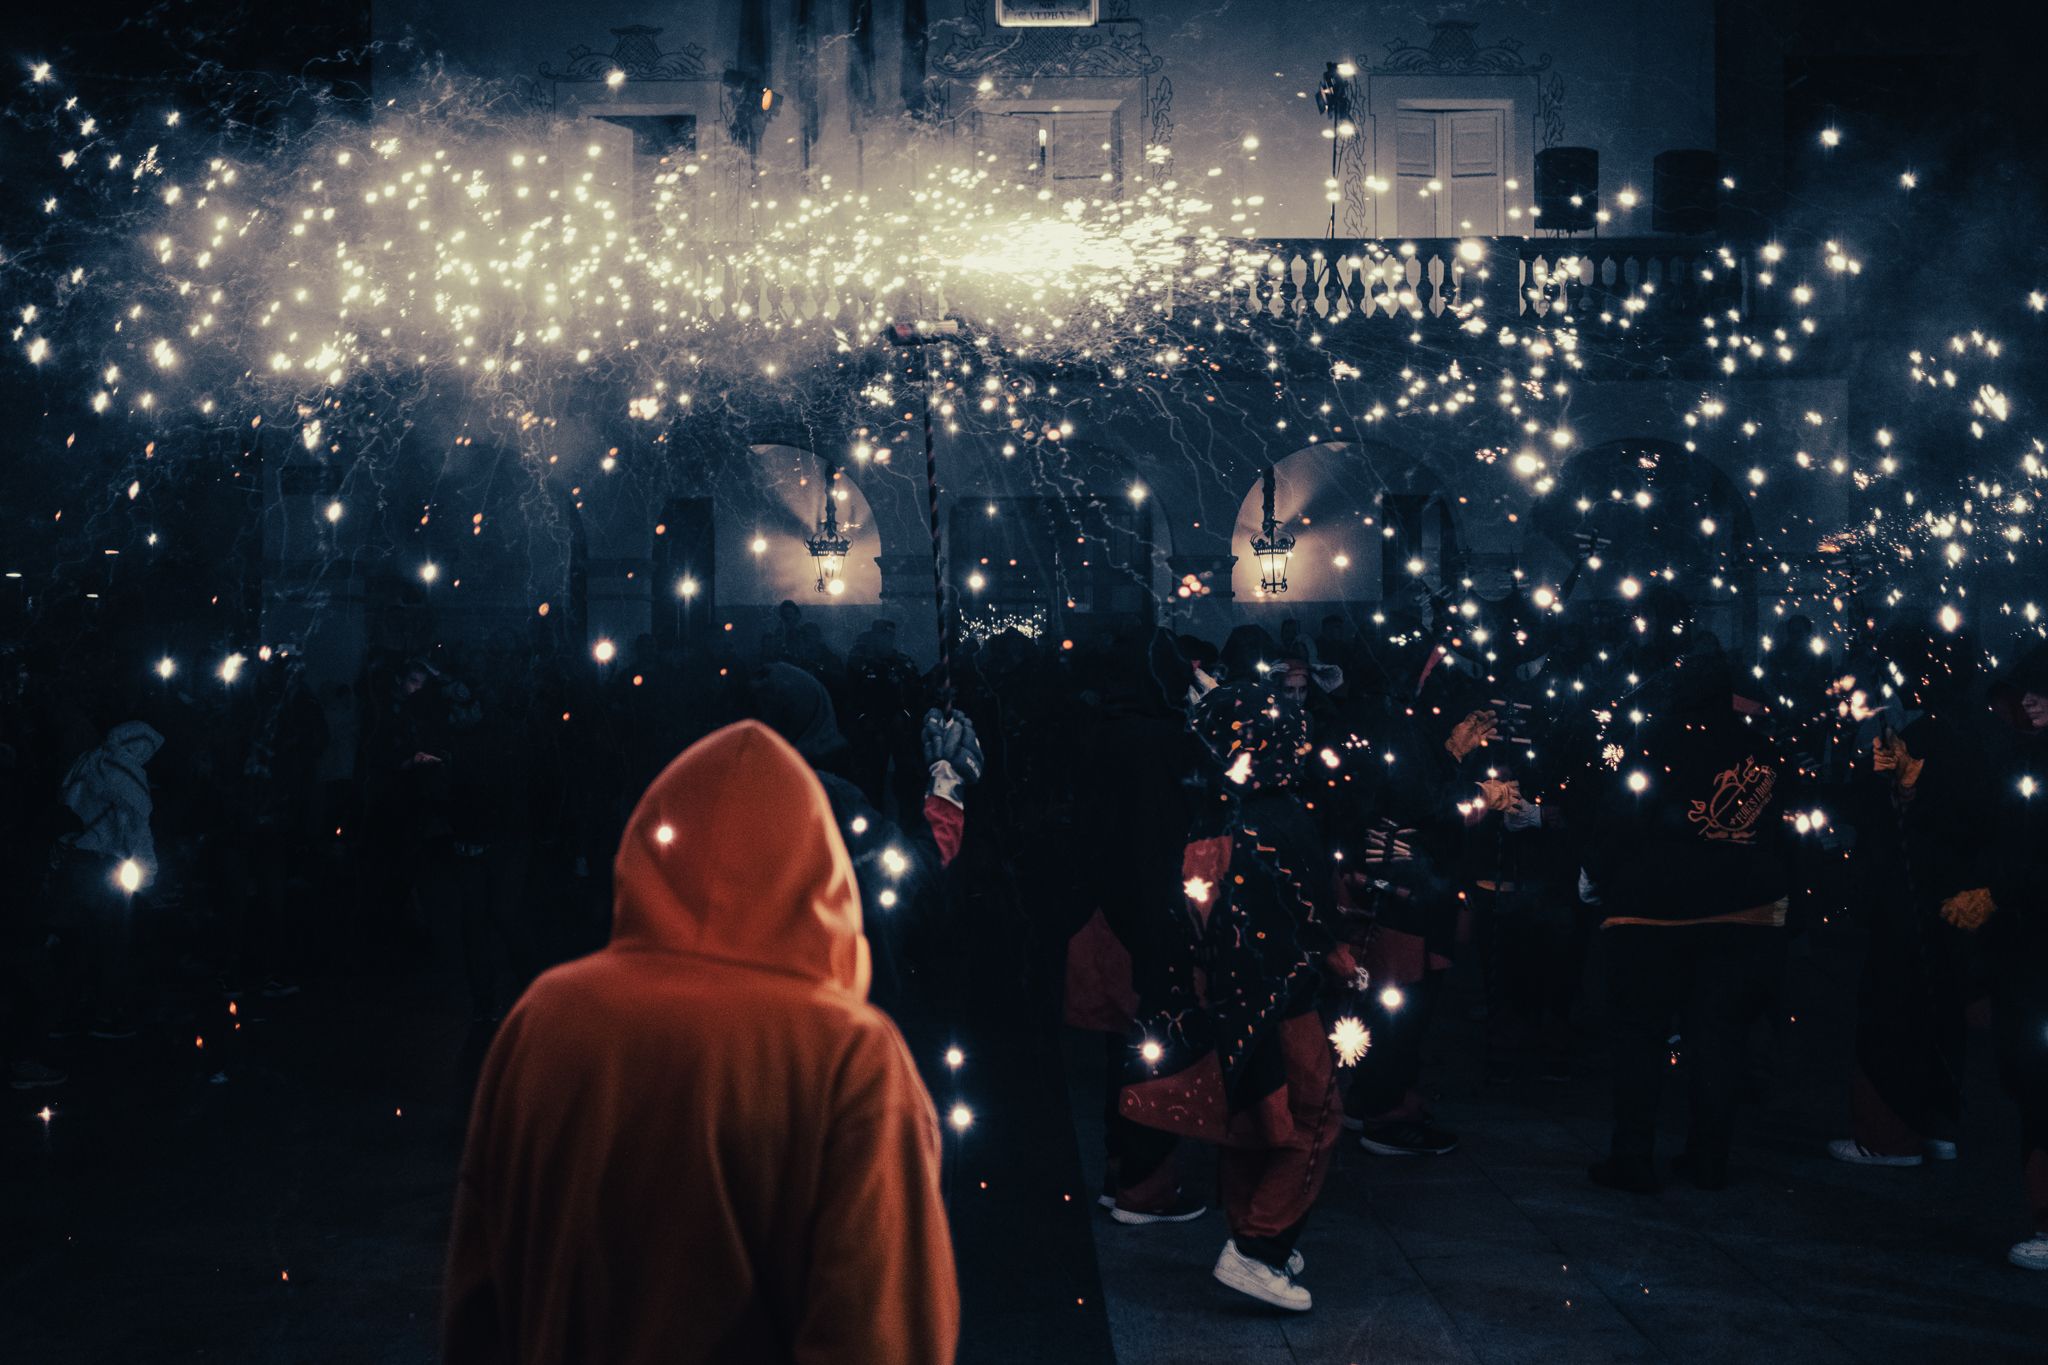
[931, 500]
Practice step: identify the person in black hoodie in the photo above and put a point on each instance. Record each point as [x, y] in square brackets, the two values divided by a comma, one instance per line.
[1688, 864]
[1918, 843]
[1231, 1037]
[1149, 773]
[2009, 915]
[892, 865]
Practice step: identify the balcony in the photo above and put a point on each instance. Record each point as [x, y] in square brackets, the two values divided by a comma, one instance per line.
[1635, 304]
[1635, 307]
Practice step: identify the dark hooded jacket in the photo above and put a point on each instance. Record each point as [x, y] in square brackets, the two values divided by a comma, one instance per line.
[1704, 838]
[1248, 942]
[702, 1143]
[896, 868]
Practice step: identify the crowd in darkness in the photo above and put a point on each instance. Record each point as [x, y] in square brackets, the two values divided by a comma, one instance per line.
[1248, 863]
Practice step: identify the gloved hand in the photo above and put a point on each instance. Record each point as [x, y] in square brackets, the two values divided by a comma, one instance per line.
[1968, 909]
[1523, 815]
[1500, 796]
[1470, 733]
[952, 741]
[1889, 754]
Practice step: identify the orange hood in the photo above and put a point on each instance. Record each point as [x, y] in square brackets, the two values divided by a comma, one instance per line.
[733, 854]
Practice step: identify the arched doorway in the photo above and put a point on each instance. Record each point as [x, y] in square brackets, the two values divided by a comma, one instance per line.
[770, 501]
[1369, 522]
[1650, 511]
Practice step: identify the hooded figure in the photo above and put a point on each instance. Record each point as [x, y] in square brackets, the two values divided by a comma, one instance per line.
[896, 868]
[702, 1143]
[109, 792]
[1232, 1048]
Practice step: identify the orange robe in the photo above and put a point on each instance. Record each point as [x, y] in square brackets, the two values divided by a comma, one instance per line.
[702, 1143]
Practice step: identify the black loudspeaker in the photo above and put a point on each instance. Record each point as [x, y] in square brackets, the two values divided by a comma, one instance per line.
[1685, 192]
[1562, 175]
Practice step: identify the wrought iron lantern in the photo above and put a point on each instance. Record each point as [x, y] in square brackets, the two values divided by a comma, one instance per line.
[829, 547]
[1273, 546]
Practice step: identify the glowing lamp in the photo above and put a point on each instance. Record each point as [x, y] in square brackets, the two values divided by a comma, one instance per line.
[828, 548]
[1273, 546]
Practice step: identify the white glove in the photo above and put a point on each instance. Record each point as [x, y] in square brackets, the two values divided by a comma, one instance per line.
[1588, 892]
[1523, 815]
[951, 741]
[946, 784]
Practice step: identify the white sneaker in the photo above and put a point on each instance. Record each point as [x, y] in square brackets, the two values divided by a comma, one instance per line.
[1255, 1278]
[1940, 1149]
[1856, 1154]
[2031, 1254]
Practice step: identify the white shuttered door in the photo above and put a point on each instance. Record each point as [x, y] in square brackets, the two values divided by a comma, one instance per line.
[1448, 172]
[1415, 167]
[1474, 196]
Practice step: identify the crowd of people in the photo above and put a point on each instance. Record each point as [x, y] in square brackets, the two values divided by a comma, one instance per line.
[1247, 864]
[1350, 816]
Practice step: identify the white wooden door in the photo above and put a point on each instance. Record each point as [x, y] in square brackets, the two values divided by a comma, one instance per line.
[1074, 152]
[1416, 171]
[1448, 172]
[1472, 200]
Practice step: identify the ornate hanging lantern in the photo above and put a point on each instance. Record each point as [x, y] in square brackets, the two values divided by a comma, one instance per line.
[828, 547]
[1273, 546]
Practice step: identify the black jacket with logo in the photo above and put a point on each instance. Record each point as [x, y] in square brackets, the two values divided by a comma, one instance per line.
[1705, 837]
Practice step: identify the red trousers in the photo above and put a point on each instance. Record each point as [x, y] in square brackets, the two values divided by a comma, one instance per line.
[1269, 1190]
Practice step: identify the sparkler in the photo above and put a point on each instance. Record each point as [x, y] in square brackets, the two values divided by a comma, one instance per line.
[1351, 1039]
[321, 279]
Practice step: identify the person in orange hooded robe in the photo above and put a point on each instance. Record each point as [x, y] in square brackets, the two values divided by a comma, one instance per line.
[702, 1143]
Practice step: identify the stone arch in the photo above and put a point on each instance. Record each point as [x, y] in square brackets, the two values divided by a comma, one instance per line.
[772, 498]
[1661, 510]
[1361, 512]
[1072, 534]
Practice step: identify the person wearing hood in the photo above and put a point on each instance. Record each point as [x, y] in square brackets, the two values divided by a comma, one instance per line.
[702, 1143]
[1231, 1047]
[1147, 779]
[2008, 914]
[1918, 816]
[894, 866]
[1686, 858]
[110, 858]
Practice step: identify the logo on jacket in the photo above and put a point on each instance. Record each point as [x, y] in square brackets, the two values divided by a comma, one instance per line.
[1741, 794]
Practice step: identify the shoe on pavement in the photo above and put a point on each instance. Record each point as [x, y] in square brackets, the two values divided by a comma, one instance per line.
[32, 1075]
[1182, 1210]
[2031, 1254]
[1940, 1149]
[277, 988]
[1255, 1279]
[111, 1028]
[1856, 1154]
[1351, 1124]
[1407, 1137]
